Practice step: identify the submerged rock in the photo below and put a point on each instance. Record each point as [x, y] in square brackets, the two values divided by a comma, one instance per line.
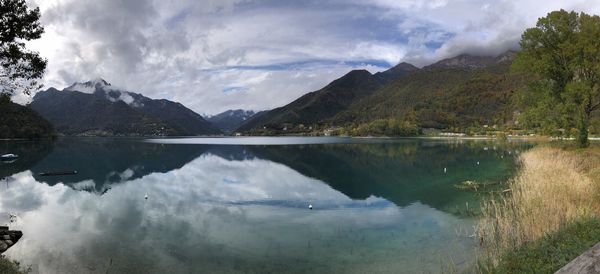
[9, 238]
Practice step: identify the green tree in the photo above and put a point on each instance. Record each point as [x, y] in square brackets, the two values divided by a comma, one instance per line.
[20, 68]
[563, 53]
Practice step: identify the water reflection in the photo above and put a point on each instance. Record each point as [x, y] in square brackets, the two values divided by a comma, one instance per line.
[204, 223]
[379, 208]
[30, 153]
[401, 171]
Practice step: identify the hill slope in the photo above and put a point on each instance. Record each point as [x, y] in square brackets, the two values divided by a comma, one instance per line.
[97, 108]
[322, 104]
[18, 121]
[450, 93]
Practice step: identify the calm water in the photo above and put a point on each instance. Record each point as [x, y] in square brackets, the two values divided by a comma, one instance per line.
[238, 205]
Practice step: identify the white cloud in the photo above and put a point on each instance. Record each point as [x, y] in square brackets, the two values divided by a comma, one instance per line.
[190, 51]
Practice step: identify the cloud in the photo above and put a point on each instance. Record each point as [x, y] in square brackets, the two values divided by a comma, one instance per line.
[220, 216]
[273, 51]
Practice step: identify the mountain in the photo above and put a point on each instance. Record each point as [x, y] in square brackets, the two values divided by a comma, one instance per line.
[322, 104]
[230, 120]
[18, 121]
[395, 72]
[467, 61]
[97, 108]
[458, 92]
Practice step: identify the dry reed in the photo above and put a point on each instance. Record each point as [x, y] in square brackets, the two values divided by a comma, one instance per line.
[552, 188]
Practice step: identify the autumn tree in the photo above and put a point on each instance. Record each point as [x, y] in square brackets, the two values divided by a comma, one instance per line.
[20, 68]
[563, 54]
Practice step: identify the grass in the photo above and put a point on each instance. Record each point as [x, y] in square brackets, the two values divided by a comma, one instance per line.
[550, 253]
[10, 267]
[554, 189]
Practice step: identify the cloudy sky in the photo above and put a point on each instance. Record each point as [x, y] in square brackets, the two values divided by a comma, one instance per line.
[214, 55]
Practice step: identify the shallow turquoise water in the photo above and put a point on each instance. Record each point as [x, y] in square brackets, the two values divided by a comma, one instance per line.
[241, 205]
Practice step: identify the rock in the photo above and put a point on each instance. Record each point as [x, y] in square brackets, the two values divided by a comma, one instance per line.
[2, 228]
[8, 238]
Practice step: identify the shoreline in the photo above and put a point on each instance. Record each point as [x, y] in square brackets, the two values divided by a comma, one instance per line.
[536, 138]
[551, 209]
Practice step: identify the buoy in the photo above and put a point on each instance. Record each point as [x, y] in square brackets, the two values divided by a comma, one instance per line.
[146, 196]
[310, 207]
[445, 170]
[477, 162]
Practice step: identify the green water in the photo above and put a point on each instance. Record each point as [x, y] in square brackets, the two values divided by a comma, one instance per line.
[240, 205]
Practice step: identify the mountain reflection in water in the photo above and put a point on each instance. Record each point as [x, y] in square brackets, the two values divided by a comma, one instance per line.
[378, 207]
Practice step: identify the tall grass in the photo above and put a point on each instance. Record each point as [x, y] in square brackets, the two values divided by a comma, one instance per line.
[553, 188]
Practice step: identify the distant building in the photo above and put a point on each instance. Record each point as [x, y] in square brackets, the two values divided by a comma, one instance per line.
[333, 131]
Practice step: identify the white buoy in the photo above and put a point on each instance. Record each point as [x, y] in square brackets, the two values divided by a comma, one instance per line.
[310, 207]
[477, 162]
[445, 170]
[146, 196]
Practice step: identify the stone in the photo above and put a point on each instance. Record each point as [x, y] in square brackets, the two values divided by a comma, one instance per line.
[586, 263]
[8, 238]
[3, 228]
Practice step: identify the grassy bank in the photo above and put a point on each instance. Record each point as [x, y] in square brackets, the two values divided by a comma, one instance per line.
[10, 267]
[556, 190]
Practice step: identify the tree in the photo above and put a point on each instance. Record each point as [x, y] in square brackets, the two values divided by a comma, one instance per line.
[563, 52]
[20, 69]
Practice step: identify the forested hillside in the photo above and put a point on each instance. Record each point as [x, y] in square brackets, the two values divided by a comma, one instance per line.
[442, 98]
[18, 121]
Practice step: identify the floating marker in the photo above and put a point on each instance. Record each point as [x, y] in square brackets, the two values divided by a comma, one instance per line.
[146, 196]
[310, 207]
[445, 170]
[477, 162]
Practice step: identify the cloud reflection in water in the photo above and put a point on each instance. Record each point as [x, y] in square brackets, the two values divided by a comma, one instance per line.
[215, 215]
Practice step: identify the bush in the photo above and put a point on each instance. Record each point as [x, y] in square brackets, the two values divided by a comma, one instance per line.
[552, 252]
[386, 127]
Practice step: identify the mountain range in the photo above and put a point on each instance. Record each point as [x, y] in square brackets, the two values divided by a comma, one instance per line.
[458, 92]
[325, 103]
[97, 108]
[230, 120]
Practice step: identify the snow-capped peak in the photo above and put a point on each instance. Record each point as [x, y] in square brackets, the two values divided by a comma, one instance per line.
[110, 92]
[89, 86]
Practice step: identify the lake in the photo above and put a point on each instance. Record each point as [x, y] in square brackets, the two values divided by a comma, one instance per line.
[241, 205]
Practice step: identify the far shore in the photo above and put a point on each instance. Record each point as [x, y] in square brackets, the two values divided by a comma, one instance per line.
[432, 137]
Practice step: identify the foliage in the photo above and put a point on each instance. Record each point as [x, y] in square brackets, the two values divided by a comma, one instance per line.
[10, 267]
[17, 121]
[19, 68]
[442, 98]
[554, 187]
[386, 127]
[563, 52]
[551, 252]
